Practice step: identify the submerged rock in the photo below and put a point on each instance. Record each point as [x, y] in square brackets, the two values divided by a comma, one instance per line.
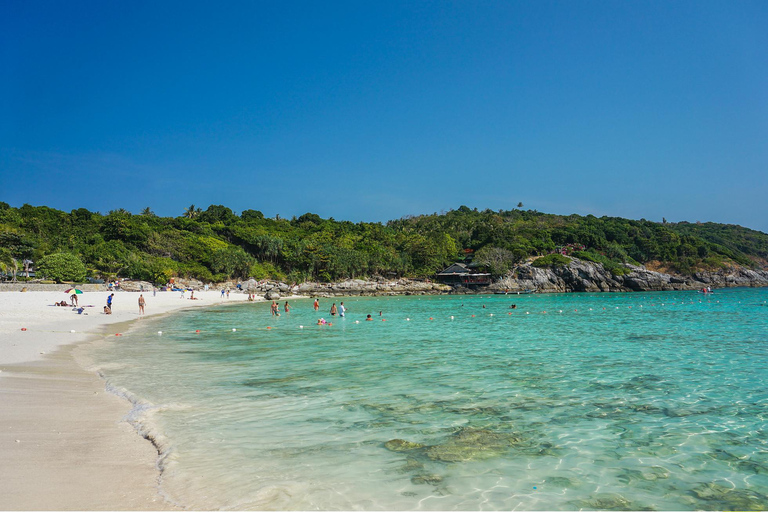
[561, 482]
[728, 498]
[472, 444]
[411, 465]
[401, 445]
[609, 502]
[427, 479]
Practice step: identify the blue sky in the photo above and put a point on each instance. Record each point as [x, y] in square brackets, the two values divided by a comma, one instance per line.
[372, 111]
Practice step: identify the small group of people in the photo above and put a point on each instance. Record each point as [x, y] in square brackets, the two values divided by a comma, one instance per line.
[341, 310]
[275, 308]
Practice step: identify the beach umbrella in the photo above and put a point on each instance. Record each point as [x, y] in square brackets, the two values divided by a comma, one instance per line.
[74, 290]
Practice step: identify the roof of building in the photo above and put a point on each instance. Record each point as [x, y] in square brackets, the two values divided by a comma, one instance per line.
[455, 269]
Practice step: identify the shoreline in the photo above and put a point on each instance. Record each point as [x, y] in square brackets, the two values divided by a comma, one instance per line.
[64, 438]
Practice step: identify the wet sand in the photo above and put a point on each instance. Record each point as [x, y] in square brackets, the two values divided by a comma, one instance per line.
[64, 441]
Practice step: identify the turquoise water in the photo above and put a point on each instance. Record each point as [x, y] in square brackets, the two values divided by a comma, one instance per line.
[570, 401]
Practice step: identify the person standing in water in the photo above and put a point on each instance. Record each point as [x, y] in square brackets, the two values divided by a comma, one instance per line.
[316, 305]
[287, 307]
[342, 309]
[333, 309]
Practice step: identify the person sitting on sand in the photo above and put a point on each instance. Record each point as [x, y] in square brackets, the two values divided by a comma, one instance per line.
[107, 310]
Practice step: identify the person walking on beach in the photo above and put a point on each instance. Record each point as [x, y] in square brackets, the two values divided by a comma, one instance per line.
[222, 293]
[141, 304]
[317, 305]
[334, 311]
[109, 302]
[227, 292]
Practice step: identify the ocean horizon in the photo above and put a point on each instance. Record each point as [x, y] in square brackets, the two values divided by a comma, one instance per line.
[620, 401]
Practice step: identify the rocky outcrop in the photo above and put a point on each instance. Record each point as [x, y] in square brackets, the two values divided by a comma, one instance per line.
[728, 278]
[349, 287]
[585, 276]
[136, 286]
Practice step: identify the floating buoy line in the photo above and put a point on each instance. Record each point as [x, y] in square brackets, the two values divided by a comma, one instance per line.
[449, 318]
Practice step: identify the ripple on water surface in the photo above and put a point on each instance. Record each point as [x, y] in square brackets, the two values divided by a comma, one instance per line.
[597, 401]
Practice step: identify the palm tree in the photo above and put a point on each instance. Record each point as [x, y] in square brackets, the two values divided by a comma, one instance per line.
[192, 212]
[147, 212]
[7, 262]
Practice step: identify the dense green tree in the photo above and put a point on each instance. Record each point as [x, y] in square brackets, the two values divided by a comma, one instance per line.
[232, 262]
[217, 213]
[216, 243]
[62, 266]
[251, 215]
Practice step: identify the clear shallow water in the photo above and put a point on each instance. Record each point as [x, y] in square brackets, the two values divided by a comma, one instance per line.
[596, 401]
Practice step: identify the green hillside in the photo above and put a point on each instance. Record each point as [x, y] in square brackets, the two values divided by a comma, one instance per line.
[216, 244]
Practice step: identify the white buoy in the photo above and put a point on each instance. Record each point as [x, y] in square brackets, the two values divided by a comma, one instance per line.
[72, 330]
[159, 332]
[451, 317]
[407, 319]
[491, 314]
[527, 313]
[233, 329]
[301, 327]
[357, 321]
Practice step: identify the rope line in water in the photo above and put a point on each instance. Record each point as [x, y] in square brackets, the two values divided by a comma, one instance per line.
[407, 319]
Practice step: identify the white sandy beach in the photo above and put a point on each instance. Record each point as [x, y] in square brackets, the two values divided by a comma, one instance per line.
[63, 441]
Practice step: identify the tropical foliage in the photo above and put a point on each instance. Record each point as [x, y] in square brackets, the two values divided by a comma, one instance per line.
[216, 244]
[62, 266]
